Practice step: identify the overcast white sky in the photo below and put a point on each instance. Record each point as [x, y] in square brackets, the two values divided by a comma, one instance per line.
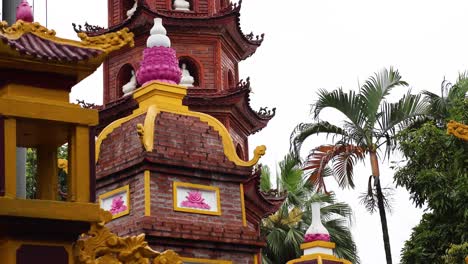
[325, 44]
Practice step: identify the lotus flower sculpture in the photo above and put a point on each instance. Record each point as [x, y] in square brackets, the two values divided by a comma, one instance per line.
[194, 199]
[118, 205]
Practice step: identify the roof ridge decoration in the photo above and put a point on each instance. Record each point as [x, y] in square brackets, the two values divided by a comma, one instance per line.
[108, 42]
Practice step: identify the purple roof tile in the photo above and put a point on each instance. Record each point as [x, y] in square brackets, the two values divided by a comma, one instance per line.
[44, 49]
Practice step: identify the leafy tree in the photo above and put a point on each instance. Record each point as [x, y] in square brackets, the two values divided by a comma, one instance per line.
[31, 172]
[436, 175]
[457, 254]
[284, 230]
[370, 126]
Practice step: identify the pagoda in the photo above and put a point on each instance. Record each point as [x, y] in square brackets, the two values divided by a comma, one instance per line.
[172, 151]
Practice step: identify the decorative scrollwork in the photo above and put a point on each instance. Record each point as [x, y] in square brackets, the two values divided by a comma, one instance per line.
[255, 38]
[109, 42]
[87, 28]
[244, 84]
[264, 112]
[101, 246]
[84, 104]
[20, 27]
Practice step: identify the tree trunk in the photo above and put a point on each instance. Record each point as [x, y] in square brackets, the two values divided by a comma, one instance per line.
[380, 203]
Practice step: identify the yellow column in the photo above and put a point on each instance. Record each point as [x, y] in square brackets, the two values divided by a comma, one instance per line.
[147, 193]
[10, 157]
[79, 165]
[47, 172]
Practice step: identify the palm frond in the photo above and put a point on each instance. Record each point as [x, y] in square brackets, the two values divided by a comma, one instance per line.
[304, 130]
[343, 158]
[349, 104]
[265, 179]
[369, 198]
[408, 110]
[376, 88]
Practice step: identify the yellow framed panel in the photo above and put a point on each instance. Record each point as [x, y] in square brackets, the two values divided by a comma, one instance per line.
[177, 185]
[205, 261]
[124, 190]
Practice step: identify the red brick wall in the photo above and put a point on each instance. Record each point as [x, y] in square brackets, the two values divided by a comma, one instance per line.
[228, 64]
[126, 224]
[235, 257]
[162, 203]
[203, 52]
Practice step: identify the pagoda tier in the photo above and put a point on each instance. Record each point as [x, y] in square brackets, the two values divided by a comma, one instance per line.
[260, 204]
[225, 23]
[231, 107]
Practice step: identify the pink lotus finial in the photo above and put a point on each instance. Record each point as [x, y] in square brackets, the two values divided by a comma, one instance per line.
[24, 12]
[159, 59]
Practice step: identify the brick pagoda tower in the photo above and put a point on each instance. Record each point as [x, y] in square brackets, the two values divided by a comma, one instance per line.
[172, 160]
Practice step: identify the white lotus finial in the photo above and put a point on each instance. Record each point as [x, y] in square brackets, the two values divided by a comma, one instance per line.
[158, 36]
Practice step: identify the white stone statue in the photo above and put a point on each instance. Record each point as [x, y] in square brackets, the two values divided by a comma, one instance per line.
[131, 11]
[187, 80]
[129, 87]
[181, 5]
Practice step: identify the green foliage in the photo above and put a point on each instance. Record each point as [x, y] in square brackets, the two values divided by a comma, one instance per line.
[284, 230]
[436, 175]
[456, 254]
[370, 127]
[31, 172]
[265, 181]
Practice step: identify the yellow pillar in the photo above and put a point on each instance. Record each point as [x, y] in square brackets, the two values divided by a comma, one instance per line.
[10, 157]
[47, 173]
[79, 166]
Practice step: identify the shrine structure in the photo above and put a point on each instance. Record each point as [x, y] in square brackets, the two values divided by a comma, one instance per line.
[37, 72]
[172, 160]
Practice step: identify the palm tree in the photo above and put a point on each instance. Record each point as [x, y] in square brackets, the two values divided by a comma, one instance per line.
[371, 124]
[284, 230]
[440, 106]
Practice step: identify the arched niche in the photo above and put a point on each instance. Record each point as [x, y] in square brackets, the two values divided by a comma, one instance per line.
[240, 152]
[123, 77]
[194, 67]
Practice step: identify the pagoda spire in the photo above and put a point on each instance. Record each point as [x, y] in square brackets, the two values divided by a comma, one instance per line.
[317, 246]
[24, 12]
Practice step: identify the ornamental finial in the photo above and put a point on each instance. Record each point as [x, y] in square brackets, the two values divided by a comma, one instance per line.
[316, 230]
[159, 59]
[24, 12]
[158, 37]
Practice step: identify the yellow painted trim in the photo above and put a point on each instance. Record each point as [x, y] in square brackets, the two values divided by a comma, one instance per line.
[107, 42]
[318, 256]
[157, 97]
[255, 260]
[323, 244]
[147, 139]
[10, 157]
[122, 189]
[88, 212]
[206, 261]
[244, 218]
[147, 193]
[176, 185]
[111, 127]
[36, 109]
